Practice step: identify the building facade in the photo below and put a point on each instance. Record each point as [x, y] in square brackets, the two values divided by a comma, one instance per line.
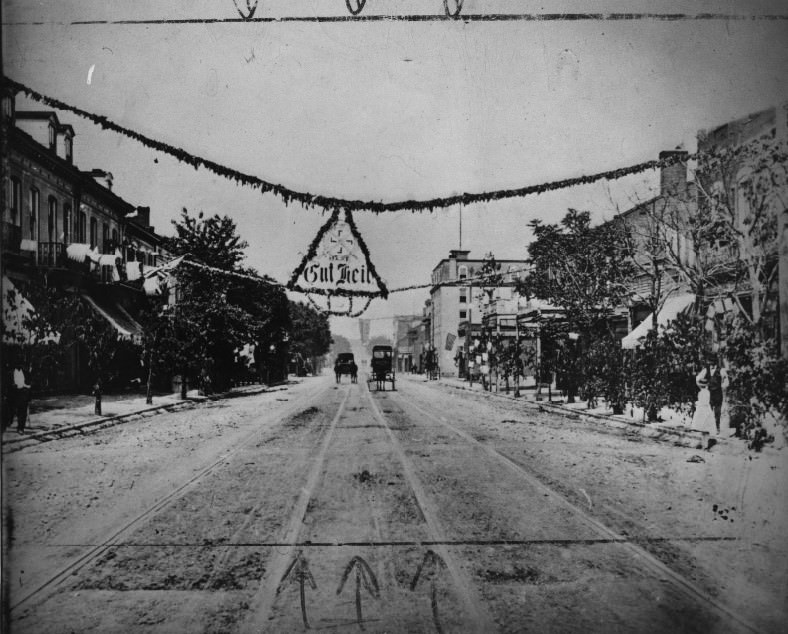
[457, 301]
[70, 225]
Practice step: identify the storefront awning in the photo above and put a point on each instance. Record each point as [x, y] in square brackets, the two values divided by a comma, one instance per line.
[672, 307]
[116, 315]
[18, 313]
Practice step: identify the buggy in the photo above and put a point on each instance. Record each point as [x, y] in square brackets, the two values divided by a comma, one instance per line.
[382, 367]
[346, 364]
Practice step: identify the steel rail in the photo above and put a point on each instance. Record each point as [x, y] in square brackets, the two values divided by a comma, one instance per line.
[261, 605]
[45, 589]
[640, 554]
[482, 620]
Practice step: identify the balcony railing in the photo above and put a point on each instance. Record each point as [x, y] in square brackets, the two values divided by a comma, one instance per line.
[51, 254]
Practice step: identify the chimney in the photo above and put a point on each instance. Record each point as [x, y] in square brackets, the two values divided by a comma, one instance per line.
[143, 216]
[673, 178]
[102, 177]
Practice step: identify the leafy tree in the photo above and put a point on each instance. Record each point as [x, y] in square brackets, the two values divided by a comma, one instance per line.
[216, 313]
[758, 379]
[310, 333]
[211, 240]
[742, 188]
[104, 347]
[36, 333]
[585, 271]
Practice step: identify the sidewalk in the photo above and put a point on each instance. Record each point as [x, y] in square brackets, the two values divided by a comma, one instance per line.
[55, 413]
[671, 430]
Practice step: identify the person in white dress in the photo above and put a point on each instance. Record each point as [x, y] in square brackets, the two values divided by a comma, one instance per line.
[703, 418]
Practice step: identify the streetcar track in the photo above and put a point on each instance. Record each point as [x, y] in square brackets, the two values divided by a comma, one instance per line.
[686, 586]
[46, 588]
[409, 543]
[480, 619]
[261, 605]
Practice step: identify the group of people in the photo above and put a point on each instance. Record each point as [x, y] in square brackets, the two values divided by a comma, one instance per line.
[16, 400]
[711, 381]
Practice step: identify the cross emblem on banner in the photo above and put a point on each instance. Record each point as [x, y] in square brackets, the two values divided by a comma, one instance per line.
[342, 242]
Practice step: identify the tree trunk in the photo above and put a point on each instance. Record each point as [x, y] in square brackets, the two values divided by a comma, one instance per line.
[183, 385]
[149, 388]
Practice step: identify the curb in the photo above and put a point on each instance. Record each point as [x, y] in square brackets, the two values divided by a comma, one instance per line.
[684, 438]
[104, 422]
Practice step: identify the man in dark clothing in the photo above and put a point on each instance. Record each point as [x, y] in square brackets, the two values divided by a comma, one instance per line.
[21, 397]
[716, 379]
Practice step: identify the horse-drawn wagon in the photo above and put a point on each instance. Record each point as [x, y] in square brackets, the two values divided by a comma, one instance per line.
[346, 364]
[383, 369]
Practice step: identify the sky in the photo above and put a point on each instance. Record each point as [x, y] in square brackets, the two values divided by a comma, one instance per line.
[392, 110]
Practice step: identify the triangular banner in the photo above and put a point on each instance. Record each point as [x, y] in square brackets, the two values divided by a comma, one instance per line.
[338, 263]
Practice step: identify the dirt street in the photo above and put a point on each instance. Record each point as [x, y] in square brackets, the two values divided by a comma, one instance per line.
[427, 509]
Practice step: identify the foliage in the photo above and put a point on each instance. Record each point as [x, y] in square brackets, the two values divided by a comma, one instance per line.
[582, 269]
[585, 271]
[742, 188]
[604, 370]
[663, 369]
[104, 348]
[40, 338]
[758, 378]
[215, 313]
[310, 334]
[213, 241]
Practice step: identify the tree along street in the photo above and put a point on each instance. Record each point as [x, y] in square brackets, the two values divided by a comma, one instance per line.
[426, 509]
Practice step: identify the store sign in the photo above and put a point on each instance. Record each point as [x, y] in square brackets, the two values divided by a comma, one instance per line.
[338, 263]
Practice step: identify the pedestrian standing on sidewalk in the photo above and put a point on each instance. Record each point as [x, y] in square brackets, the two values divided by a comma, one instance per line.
[21, 397]
[715, 378]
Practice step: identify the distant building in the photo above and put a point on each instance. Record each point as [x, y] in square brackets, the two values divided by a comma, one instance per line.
[406, 341]
[457, 302]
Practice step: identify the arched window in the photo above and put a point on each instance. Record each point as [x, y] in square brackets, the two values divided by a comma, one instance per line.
[52, 220]
[463, 272]
[104, 237]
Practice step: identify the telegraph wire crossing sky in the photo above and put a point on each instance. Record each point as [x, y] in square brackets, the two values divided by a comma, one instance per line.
[392, 111]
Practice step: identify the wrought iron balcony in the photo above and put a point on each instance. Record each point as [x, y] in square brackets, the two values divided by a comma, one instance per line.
[51, 254]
